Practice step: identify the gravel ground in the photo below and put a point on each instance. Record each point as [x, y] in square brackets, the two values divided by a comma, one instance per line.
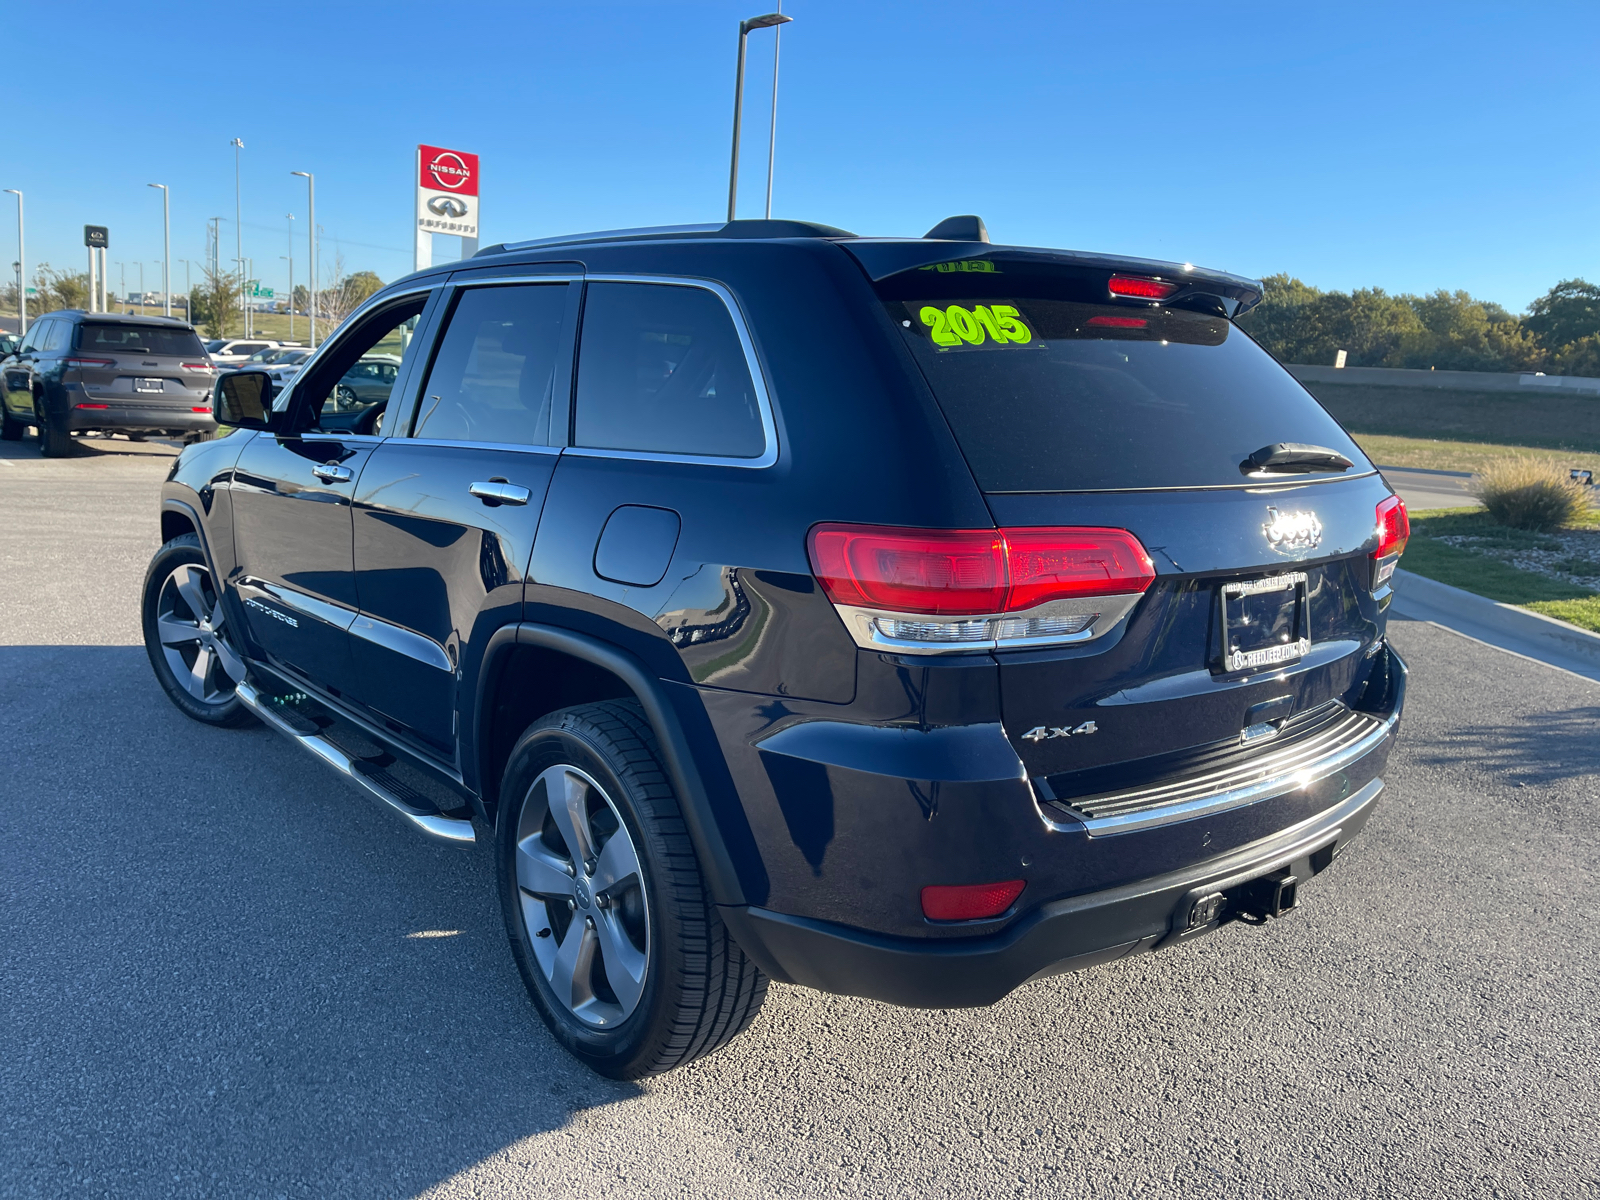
[226, 975]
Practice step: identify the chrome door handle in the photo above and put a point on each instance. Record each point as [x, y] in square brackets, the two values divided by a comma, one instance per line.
[497, 492]
[331, 473]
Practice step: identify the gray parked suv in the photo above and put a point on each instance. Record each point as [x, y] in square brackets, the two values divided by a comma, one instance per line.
[79, 372]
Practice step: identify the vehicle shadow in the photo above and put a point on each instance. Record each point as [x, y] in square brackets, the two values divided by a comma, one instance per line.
[227, 973]
[97, 447]
[1538, 747]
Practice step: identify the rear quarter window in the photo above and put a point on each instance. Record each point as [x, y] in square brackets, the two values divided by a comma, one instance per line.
[1047, 390]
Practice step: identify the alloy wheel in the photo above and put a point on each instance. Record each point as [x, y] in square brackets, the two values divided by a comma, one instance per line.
[190, 625]
[582, 896]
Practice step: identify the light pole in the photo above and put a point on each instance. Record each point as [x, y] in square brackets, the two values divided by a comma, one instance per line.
[166, 239]
[772, 134]
[141, 289]
[289, 258]
[311, 241]
[22, 269]
[238, 231]
[188, 292]
[745, 27]
[122, 285]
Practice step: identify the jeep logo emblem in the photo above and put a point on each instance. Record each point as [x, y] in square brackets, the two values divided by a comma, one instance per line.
[1288, 532]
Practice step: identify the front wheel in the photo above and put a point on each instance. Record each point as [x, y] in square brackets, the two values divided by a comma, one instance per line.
[618, 943]
[187, 637]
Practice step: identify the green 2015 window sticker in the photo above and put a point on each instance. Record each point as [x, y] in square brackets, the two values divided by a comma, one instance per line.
[958, 326]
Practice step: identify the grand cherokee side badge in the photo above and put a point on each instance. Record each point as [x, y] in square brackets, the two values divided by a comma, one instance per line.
[1043, 733]
[1290, 531]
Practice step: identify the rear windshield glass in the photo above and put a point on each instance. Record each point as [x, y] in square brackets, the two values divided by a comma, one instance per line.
[1048, 390]
[140, 339]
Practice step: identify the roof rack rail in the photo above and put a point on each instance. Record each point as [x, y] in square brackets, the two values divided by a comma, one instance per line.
[732, 229]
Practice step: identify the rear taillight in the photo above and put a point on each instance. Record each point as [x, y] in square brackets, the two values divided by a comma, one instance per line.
[81, 363]
[1394, 530]
[933, 590]
[94, 406]
[201, 408]
[969, 901]
[197, 366]
[1140, 288]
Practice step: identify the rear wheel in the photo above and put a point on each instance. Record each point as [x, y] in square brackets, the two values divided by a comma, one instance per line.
[617, 941]
[54, 442]
[187, 638]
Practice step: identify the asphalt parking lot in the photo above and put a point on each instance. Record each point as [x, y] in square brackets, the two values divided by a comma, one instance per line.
[224, 974]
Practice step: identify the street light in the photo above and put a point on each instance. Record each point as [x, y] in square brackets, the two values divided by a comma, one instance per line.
[311, 241]
[289, 258]
[238, 231]
[762, 22]
[188, 292]
[22, 268]
[166, 244]
[122, 285]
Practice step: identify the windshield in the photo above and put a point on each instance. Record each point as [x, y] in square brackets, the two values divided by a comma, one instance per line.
[140, 339]
[1048, 390]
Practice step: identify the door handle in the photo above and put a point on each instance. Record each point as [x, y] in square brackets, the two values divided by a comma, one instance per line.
[499, 492]
[331, 473]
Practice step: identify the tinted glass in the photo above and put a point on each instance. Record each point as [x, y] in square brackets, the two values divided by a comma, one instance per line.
[356, 374]
[493, 379]
[37, 335]
[140, 339]
[57, 337]
[1048, 394]
[661, 369]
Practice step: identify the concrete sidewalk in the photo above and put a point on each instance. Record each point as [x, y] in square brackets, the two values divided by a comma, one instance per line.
[1504, 626]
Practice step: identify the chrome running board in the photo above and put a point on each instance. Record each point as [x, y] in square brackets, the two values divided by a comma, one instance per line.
[434, 825]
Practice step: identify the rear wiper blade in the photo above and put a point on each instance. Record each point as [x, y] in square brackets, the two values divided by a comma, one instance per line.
[1294, 458]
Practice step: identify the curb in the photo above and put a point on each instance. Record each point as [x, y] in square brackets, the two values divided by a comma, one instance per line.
[1519, 630]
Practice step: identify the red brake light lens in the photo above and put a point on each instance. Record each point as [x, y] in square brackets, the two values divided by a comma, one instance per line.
[94, 406]
[1394, 528]
[1118, 322]
[197, 366]
[1142, 289]
[973, 571]
[80, 363]
[970, 901]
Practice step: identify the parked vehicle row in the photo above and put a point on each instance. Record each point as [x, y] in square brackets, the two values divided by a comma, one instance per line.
[905, 618]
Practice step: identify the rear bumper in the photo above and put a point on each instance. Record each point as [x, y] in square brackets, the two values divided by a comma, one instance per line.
[1063, 935]
[138, 417]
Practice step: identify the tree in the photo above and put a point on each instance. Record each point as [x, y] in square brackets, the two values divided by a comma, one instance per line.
[218, 298]
[56, 289]
[361, 285]
[1567, 312]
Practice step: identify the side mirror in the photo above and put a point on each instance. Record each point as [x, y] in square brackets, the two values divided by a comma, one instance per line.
[244, 399]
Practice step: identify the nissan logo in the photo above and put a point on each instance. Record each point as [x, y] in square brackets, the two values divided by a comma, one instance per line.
[447, 206]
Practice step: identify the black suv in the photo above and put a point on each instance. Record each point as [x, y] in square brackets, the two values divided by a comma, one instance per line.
[907, 618]
[79, 372]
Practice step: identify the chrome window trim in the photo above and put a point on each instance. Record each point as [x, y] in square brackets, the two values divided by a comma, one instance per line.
[1239, 797]
[281, 401]
[758, 379]
[1109, 612]
[497, 280]
[525, 447]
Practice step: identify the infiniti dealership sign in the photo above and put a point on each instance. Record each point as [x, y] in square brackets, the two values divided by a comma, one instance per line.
[447, 200]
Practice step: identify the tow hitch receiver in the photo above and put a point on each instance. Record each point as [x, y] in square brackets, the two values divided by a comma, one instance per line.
[1270, 896]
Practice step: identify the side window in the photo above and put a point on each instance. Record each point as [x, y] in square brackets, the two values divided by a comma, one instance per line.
[57, 336]
[661, 369]
[37, 333]
[493, 379]
[347, 391]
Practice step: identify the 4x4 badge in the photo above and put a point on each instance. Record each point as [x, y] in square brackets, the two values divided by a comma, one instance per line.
[1289, 531]
[1043, 733]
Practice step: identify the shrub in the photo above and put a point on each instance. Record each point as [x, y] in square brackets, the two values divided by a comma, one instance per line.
[1526, 493]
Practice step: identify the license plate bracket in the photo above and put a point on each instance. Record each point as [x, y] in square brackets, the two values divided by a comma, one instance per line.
[1265, 622]
[148, 386]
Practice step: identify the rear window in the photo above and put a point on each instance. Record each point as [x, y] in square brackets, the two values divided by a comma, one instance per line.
[1048, 390]
[140, 339]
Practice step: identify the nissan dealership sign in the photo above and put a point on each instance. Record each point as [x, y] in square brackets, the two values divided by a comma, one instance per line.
[447, 199]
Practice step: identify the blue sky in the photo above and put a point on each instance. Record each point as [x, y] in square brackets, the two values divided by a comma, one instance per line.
[1410, 147]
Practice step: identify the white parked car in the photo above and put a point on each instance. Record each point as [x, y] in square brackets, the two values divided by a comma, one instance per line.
[232, 352]
[287, 365]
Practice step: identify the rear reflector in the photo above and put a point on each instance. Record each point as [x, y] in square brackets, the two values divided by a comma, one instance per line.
[201, 408]
[1118, 322]
[91, 406]
[80, 363]
[1143, 289]
[971, 572]
[970, 901]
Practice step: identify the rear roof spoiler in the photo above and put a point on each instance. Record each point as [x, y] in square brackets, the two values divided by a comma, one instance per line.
[882, 257]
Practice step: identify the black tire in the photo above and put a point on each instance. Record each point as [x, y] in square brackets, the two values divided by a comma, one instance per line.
[10, 428]
[53, 442]
[700, 991]
[212, 701]
[137, 437]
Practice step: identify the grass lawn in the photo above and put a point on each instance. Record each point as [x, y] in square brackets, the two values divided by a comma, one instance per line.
[1436, 455]
[1481, 570]
[1546, 421]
